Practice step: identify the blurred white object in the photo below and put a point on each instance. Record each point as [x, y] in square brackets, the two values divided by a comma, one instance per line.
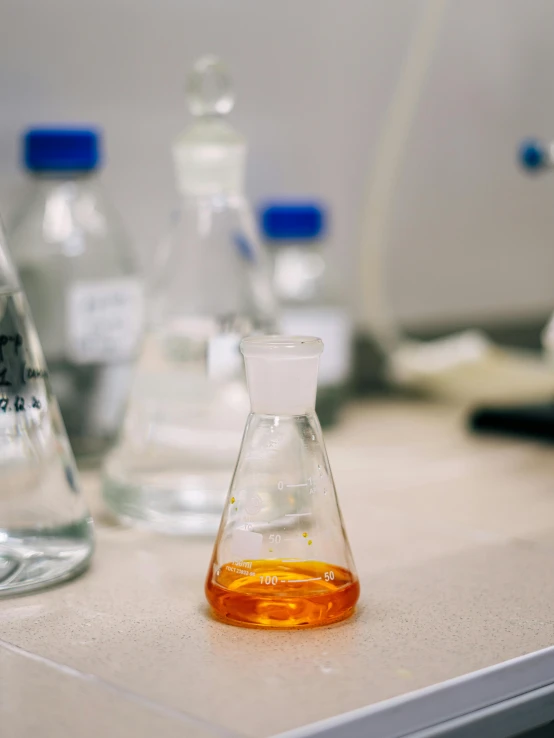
[467, 367]
[309, 301]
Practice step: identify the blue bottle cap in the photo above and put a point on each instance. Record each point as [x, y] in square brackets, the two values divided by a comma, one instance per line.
[533, 155]
[61, 149]
[293, 221]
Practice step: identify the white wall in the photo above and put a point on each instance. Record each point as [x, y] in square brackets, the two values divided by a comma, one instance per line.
[470, 234]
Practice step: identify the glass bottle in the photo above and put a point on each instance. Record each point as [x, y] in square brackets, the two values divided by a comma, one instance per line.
[282, 558]
[80, 278]
[46, 533]
[307, 296]
[182, 433]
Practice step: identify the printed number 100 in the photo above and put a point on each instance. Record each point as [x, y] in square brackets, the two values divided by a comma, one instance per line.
[268, 580]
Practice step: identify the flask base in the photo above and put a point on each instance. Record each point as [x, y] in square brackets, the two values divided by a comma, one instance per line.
[282, 594]
[35, 559]
[90, 451]
[175, 504]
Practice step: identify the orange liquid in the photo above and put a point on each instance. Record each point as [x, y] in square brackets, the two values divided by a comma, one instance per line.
[282, 594]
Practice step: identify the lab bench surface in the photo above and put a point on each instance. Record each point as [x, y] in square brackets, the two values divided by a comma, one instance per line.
[453, 537]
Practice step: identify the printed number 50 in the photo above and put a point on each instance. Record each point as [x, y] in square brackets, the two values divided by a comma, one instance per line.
[274, 538]
[329, 576]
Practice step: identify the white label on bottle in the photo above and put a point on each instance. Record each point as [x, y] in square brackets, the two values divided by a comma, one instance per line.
[334, 327]
[103, 320]
[224, 358]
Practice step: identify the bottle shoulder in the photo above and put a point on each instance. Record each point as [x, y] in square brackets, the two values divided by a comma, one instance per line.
[302, 277]
[210, 262]
[71, 219]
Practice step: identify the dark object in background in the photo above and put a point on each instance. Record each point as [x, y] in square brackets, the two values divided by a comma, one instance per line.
[369, 375]
[525, 421]
[546, 731]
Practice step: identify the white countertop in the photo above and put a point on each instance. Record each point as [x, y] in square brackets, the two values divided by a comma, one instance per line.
[453, 537]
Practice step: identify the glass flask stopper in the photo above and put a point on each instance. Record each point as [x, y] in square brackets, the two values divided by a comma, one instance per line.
[282, 558]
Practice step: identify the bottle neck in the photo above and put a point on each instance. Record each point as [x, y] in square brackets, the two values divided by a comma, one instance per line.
[58, 176]
[202, 171]
[210, 159]
[217, 200]
[298, 247]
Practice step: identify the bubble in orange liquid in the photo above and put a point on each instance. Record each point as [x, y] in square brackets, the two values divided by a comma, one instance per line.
[282, 594]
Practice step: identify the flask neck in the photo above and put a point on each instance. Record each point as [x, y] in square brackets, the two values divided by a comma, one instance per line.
[282, 387]
[210, 159]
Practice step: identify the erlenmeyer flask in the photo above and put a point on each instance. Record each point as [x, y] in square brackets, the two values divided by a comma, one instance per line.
[46, 533]
[282, 559]
[172, 467]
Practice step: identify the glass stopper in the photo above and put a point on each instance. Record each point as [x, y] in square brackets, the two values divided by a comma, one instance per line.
[209, 87]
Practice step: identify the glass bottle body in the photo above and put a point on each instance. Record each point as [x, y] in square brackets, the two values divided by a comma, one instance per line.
[282, 559]
[189, 401]
[81, 282]
[309, 306]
